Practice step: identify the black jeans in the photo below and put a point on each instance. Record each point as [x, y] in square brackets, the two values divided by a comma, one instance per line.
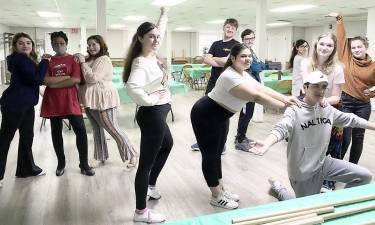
[24, 122]
[156, 144]
[244, 120]
[210, 123]
[363, 110]
[79, 129]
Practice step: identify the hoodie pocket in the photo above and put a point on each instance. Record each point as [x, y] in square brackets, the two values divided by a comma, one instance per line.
[312, 158]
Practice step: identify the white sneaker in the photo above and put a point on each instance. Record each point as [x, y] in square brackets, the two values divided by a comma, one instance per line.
[149, 217]
[230, 195]
[223, 202]
[276, 185]
[42, 173]
[153, 194]
[1, 183]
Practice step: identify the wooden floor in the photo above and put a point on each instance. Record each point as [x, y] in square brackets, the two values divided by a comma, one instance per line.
[108, 198]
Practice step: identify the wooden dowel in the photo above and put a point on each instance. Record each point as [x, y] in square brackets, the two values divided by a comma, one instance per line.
[286, 216]
[338, 203]
[289, 220]
[308, 221]
[347, 212]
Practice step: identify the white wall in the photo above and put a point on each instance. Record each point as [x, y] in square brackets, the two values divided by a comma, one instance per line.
[279, 44]
[3, 29]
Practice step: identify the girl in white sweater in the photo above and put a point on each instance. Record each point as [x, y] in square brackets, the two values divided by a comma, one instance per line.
[146, 84]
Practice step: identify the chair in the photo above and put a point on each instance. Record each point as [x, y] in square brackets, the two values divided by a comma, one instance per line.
[185, 75]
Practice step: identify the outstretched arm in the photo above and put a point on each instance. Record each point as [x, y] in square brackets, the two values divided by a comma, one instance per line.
[262, 147]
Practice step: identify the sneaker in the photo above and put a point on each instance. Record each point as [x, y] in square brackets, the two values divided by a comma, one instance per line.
[245, 145]
[230, 195]
[152, 193]
[327, 186]
[149, 217]
[195, 147]
[276, 185]
[42, 173]
[223, 202]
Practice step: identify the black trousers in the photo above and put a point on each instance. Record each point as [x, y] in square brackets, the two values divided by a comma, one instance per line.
[156, 144]
[210, 123]
[79, 129]
[355, 135]
[24, 123]
[244, 120]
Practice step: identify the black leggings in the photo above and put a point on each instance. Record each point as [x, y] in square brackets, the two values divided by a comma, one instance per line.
[24, 123]
[210, 123]
[79, 129]
[156, 144]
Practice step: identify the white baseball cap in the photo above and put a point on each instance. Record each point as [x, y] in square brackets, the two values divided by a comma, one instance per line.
[315, 78]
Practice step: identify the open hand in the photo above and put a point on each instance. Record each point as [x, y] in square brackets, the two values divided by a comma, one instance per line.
[292, 100]
[259, 148]
[163, 10]
[79, 58]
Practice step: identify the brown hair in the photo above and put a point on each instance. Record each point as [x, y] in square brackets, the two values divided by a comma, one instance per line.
[232, 22]
[103, 47]
[360, 38]
[135, 48]
[16, 37]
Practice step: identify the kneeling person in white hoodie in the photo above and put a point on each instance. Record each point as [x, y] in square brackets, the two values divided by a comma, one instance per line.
[308, 129]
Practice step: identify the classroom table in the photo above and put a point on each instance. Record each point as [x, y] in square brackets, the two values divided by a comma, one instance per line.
[225, 218]
[270, 78]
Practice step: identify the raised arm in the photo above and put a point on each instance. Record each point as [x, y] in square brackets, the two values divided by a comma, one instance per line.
[342, 42]
[162, 22]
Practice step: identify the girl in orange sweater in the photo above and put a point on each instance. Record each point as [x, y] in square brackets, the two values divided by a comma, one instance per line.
[359, 84]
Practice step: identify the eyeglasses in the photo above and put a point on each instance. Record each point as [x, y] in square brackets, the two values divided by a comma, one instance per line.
[249, 39]
[303, 46]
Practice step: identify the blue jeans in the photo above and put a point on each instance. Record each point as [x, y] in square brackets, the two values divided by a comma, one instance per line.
[363, 110]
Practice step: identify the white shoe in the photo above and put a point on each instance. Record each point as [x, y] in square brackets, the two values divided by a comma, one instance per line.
[152, 193]
[223, 202]
[149, 217]
[1, 183]
[230, 195]
[42, 173]
[276, 185]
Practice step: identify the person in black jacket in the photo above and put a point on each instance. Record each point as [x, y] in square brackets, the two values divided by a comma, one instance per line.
[17, 105]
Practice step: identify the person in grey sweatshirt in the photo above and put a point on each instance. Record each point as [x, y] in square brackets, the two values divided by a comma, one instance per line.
[308, 128]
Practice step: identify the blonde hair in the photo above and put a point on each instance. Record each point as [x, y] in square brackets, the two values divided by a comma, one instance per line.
[329, 65]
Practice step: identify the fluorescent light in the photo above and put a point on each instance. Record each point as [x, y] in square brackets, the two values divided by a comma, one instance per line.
[183, 28]
[278, 24]
[292, 8]
[216, 21]
[49, 14]
[55, 24]
[117, 26]
[167, 2]
[134, 18]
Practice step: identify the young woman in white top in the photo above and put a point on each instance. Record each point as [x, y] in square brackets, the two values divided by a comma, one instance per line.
[146, 84]
[298, 54]
[324, 59]
[101, 100]
[210, 117]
